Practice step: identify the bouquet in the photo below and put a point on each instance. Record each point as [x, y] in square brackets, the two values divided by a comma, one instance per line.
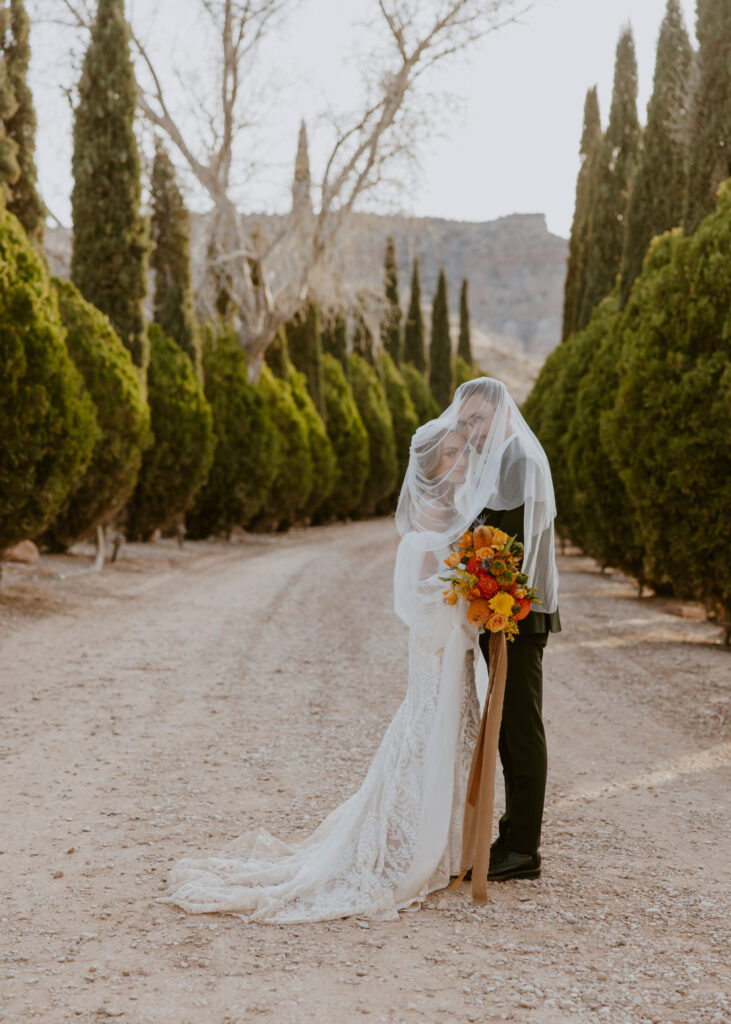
[485, 572]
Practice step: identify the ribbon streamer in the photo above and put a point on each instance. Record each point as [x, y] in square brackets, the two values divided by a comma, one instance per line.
[477, 826]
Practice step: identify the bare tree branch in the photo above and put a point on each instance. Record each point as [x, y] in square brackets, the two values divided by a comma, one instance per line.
[267, 278]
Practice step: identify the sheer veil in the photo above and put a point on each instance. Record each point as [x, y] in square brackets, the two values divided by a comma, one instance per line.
[398, 837]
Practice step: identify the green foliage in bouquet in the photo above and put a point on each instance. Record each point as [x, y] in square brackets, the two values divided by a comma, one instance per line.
[424, 402]
[177, 464]
[292, 484]
[349, 440]
[373, 408]
[245, 459]
[321, 450]
[670, 427]
[48, 424]
[122, 414]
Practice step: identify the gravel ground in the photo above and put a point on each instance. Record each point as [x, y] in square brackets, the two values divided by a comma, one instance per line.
[180, 697]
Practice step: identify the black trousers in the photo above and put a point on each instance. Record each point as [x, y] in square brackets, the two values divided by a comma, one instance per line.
[522, 742]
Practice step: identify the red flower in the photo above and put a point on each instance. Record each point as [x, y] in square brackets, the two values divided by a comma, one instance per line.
[488, 585]
[524, 608]
[474, 565]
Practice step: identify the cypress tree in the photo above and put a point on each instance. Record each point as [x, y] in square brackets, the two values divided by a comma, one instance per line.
[710, 135]
[362, 334]
[48, 423]
[302, 183]
[20, 126]
[335, 337]
[9, 165]
[440, 346]
[589, 151]
[305, 350]
[414, 351]
[613, 180]
[391, 324]
[170, 257]
[376, 415]
[277, 355]
[108, 257]
[464, 346]
[659, 189]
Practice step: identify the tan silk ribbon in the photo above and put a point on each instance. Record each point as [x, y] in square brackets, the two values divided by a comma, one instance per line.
[477, 826]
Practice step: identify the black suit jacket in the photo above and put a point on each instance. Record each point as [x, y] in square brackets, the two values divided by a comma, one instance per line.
[511, 521]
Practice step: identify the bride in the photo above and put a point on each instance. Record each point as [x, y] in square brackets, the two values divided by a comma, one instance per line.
[399, 837]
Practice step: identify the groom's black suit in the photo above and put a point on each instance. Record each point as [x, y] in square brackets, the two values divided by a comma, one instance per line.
[522, 742]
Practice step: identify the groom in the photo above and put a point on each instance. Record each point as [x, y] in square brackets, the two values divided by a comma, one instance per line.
[522, 741]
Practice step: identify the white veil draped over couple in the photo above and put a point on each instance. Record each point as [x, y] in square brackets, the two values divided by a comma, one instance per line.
[399, 837]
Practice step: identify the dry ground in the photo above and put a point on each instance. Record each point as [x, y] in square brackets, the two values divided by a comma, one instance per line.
[161, 707]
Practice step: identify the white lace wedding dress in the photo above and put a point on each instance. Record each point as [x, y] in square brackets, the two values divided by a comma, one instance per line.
[384, 849]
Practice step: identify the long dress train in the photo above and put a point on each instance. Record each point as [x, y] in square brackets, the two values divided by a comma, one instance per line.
[398, 838]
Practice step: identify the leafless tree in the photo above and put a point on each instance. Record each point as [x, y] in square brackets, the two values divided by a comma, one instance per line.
[266, 277]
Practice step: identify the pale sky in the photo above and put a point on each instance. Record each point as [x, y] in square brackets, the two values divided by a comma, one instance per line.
[505, 141]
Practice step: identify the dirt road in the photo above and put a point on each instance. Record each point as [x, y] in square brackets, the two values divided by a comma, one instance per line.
[160, 708]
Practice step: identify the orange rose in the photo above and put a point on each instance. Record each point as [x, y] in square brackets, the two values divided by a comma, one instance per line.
[479, 612]
[497, 622]
[484, 552]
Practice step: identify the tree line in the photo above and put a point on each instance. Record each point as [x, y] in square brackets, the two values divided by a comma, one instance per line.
[633, 407]
[108, 419]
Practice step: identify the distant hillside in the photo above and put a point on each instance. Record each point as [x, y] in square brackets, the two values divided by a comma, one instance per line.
[515, 268]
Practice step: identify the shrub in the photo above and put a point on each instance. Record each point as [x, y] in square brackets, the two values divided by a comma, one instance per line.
[424, 402]
[321, 450]
[669, 428]
[349, 440]
[48, 424]
[292, 481]
[404, 418]
[177, 464]
[374, 411]
[600, 514]
[122, 415]
[245, 459]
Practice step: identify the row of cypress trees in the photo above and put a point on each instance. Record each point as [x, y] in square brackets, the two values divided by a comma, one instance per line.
[634, 184]
[634, 406]
[634, 413]
[142, 423]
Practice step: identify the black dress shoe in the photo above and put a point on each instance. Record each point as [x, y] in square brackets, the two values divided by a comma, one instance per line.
[510, 864]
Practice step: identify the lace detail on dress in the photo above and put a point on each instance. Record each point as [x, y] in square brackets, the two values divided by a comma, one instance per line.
[356, 860]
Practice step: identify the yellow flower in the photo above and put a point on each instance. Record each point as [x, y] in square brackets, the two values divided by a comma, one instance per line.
[520, 592]
[497, 623]
[499, 538]
[502, 603]
[451, 597]
[453, 559]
